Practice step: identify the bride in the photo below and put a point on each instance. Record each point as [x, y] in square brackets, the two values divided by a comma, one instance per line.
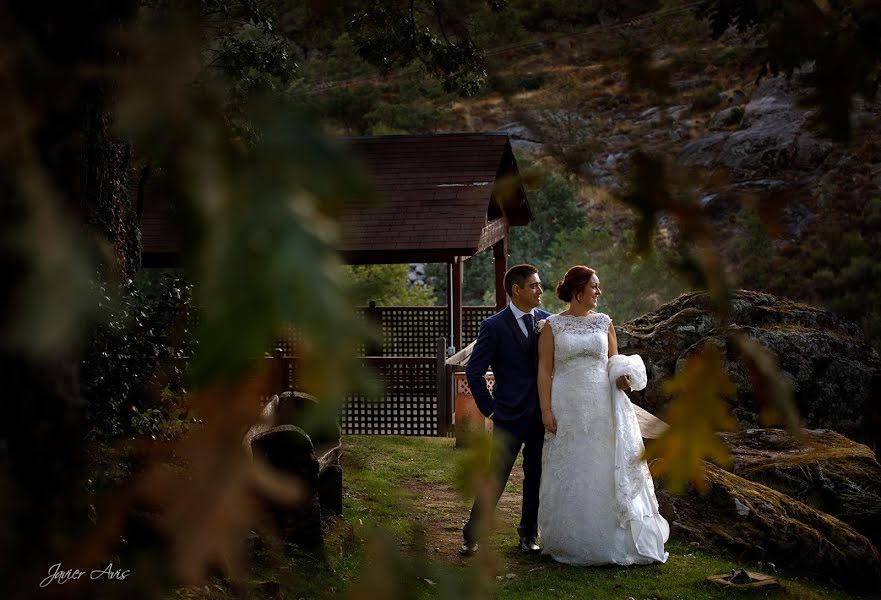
[597, 501]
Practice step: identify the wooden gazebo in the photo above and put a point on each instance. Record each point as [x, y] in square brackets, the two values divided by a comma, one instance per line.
[444, 198]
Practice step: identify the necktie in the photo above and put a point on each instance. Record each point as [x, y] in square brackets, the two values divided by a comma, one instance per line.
[528, 321]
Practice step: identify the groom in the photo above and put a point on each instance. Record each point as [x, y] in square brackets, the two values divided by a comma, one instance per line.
[507, 343]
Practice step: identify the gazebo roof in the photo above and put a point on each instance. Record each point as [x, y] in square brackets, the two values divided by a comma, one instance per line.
[439, 199]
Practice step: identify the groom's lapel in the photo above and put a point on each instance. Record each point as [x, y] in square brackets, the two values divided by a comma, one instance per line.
[511, 320]
[538, 317]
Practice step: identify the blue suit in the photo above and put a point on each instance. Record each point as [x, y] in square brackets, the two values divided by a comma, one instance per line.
[514, 408]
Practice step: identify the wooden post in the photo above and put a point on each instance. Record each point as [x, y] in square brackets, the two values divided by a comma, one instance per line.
[375, 319]
[456, 305]
[280, 373]
[500, 256]
[443, 396]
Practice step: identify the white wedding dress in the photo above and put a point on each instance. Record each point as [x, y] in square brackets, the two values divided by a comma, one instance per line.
[597, 501]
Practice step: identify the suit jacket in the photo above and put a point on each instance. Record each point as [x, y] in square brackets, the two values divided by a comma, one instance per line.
[513, 358]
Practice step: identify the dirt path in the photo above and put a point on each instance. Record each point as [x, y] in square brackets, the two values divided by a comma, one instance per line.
[442, 511]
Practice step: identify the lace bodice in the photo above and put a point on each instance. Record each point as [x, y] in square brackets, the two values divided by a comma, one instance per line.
[581, 343]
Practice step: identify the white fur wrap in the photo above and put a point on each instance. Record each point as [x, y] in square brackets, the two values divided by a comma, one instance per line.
[632, 366]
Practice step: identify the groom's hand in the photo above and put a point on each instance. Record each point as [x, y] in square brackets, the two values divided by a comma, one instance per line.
[549, 421]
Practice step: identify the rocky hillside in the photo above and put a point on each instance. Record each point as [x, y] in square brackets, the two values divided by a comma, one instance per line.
[742, 148]
[835, 374]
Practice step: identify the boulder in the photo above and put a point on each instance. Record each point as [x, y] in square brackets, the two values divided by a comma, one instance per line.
[300, 437]
[320, 421]
[523, 139]
[725, 118]
[773, 137]
[288, 449]
[835, 373]
[758, 523]
[821, 468]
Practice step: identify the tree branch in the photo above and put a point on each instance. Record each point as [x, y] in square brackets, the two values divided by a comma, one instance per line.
[440, 21]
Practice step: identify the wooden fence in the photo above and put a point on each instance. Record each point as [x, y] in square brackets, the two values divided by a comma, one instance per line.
[406, 330]
[409, 363]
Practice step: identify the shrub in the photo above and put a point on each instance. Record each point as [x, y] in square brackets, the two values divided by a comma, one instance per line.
[555, 209]
[568, 134]
[132, 353]
[349, 107]
[632, 285]
[402, 118]
[498, 27]
[519, 82]
[690, 60]
[736, 116]
[167, 420]
[387, 285]
[707, 99]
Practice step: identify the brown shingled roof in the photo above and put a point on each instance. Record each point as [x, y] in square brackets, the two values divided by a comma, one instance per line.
[437, 195]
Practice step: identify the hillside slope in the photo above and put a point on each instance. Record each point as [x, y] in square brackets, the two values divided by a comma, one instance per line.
[740, 147]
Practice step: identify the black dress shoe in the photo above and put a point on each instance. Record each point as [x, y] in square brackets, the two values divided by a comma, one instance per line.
[528, 545]
[468, 548]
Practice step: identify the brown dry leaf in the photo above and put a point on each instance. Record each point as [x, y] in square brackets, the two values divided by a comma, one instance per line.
[207, 512]
[769, 208]
[698, 411]
[204, 511]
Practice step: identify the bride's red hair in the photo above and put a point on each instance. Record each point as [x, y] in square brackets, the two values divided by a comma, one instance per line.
[574, 282]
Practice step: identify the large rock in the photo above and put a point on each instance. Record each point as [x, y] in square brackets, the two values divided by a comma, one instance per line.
[300, 437]
[523, 139]
[835, 373]
[759, 523]
[821, 468]
[289, 450]
[773, 137]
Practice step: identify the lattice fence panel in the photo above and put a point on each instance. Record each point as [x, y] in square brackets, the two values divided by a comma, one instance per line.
[412, 331]
[406, 331]
[408, 405]
[472, 317]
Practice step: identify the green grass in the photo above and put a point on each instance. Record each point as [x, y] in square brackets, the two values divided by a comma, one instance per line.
[383, 548]
[682, 577]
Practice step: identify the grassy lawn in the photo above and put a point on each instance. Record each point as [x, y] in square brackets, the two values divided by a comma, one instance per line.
[403, 523]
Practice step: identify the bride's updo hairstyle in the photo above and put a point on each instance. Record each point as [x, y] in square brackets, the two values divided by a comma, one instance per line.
[574, 282]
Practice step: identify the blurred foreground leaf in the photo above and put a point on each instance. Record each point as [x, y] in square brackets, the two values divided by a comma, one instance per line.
[49, 310]
[393, 572]
[772, 390]
[835, 45]
[647, 74]
[472, 468]
[697, 412]
[659, 189]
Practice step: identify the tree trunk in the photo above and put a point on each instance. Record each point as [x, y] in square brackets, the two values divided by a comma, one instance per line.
[56, 128]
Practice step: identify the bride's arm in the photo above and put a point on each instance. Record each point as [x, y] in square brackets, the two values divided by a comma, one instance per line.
[622, 382]
[545, 370]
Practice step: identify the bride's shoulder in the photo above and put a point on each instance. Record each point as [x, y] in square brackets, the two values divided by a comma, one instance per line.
[549, 320]
[600, 321]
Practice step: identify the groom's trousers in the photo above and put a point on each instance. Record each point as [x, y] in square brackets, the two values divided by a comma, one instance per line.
[508, 439]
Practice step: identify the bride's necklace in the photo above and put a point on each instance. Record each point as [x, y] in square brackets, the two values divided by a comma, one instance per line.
[571, 314]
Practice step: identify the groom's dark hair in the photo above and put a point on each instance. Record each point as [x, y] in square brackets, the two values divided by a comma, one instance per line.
[518, 274]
